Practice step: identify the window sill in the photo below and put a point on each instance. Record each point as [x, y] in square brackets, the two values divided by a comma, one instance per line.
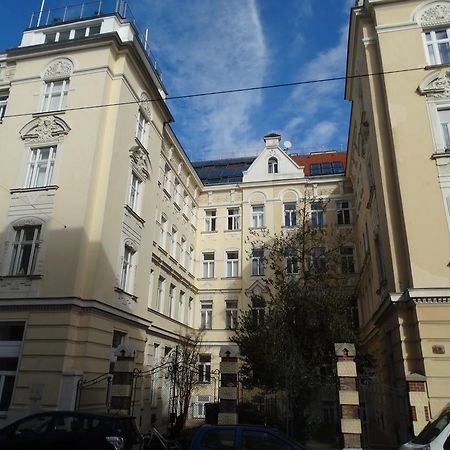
[135, 214]
[257, 275]
[237, 230]
[436, 66]
[206, 279]
[441, 154]
[173, 259]
[345, 225]
[167, 192]
[51, 187]
[258, 228]
[209, 232]
[232, 278]
[121, 291]
[16, 277]
[288, 227]
[49, 113]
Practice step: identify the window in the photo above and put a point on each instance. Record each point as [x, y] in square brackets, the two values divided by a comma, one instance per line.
[171, 300]
[233, 219]
[183, 252]
[326, 168]
[438, 46]
[191, 260]
[208, 265]
[199, 407]
[257, 262]
[166, 179]
[3, 102]
[177, 192]
[444, 120]
[258, 310]
[40, 167]
[181, 307]
[125, 274]
[162, 232]
[55, 95]
[190, 311]
[232, 264]
[347, 259]
[11, 335]
[290, 214]
[173, 243]
[206, 315]
[154, 375]
[343, 213]
[74, 33]
[160, 294]
[231, 314]
[185, 203]
[142, 128]
[272, 165]
[133, 195]
[210, 220]
[257, 216]
[317, 215]
[25, 250]
[292, 266]
[318, 259]
[204, 368]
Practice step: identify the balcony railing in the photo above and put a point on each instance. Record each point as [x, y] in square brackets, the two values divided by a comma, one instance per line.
[90, 10]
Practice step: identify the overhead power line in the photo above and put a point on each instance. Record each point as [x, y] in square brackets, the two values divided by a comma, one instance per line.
[230, 91]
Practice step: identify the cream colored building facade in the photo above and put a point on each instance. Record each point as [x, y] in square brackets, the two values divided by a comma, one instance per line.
[110, 240]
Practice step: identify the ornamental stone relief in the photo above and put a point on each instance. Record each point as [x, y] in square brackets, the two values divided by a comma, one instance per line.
[139, 158]
[437, 88]
[146, 105]
[58, 70]
[44, 130]
[437, 14]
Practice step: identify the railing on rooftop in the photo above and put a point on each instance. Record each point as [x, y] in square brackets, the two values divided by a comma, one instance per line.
[90, 10]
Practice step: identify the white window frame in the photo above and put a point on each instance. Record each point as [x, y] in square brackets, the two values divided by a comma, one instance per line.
[173, 243]
[208, 264]
[35, 163]
[191, 260]
[272, 165]
[181, 307]
[3, 103]
[444, 126]
[183, 252]
[134, 192]
[431, 45]
[290, 214]
[233, 219]
[177, 199]
[347, 260]
[232, 263]
[126, 268]
[204, 368]
[210, 220]
[317, 212]
[231, 314]
[160, 294]
[20, 244]
[257, 216]
[166, 178]
[163, 232]
[191, 311]
[142, 128]
[257, 263]
[206, 311]
[60, 96]
[343, 212]
[171, 312]
[199, 406]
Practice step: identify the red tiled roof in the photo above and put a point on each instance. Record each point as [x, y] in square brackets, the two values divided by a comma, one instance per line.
[319, 157]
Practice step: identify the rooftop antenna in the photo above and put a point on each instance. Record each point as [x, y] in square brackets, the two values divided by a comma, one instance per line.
[40, 13]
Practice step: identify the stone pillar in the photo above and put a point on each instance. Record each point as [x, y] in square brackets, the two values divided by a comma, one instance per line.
[69, 387]
[348, 396]
[418, 401]
[228, 388]
[122, 383]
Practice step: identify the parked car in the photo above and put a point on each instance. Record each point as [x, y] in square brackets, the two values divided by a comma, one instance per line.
[241, 437]
[71, 430]
[435, 435]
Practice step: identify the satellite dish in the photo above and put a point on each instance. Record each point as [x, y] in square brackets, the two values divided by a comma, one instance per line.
[287, 144]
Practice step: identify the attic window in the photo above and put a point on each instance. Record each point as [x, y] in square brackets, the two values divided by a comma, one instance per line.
[272, 165]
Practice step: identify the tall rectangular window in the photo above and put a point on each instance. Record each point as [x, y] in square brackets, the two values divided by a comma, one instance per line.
[125, 274]
[233, 219]
[142, 128]
[204, 368]
[258, 310]
[162, 232]
[40, 167]
[231, 314]
[166, 178]
[292, 265]
[290, 214]
[210, 220]
[257, 216]
[191, 311]
[232, 264]
[173, 243]
[208, 265]
[317, 215]
[191, 260]
[25, 250]
[444, 119]
[160, 294]
[181, 307]
[343, 213]
[3, 103]
[172, 300]
[318, 259]
[55, 95]
[437, 43]
[347, 259]
[183, 252]
[133, 195]
[206, 315]
[257, 262]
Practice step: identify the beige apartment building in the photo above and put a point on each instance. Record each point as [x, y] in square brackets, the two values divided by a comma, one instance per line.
[114, 244]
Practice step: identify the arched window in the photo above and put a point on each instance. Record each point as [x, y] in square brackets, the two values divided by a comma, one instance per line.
[272, 165]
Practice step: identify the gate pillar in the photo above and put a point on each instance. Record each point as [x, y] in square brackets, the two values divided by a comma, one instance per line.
[228, 388]
[418, 401]
[122, 384]
[348, 396]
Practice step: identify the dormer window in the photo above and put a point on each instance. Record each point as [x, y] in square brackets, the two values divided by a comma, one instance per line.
[437, 44]
[272, 165]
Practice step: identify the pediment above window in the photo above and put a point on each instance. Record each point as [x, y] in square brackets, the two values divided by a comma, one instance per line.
[59, 69]
[48, 129]
[434, 15]
[140, 161]
[436, 85]
[257, 289]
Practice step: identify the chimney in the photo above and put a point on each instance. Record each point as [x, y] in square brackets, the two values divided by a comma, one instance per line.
[272, 140]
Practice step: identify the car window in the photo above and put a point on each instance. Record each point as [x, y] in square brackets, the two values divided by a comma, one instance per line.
[38, 424]
[74, 424]
[260, 440]
[433, 429]
[218, 439]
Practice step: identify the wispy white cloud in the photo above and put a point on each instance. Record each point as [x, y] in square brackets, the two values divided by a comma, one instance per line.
[209, 46]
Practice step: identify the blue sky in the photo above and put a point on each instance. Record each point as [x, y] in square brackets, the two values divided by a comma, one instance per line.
[208, 45]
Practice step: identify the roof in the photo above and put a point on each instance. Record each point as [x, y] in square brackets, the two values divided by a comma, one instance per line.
[229, 171]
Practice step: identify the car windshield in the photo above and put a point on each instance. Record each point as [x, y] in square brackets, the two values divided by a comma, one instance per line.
[433, 429]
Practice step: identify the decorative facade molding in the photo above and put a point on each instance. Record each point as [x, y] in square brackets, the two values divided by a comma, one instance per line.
[58, 70]
[434, 15]
[26, 221]
[140, 161]
[44, 130]
[438, 86]
[146, 105]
